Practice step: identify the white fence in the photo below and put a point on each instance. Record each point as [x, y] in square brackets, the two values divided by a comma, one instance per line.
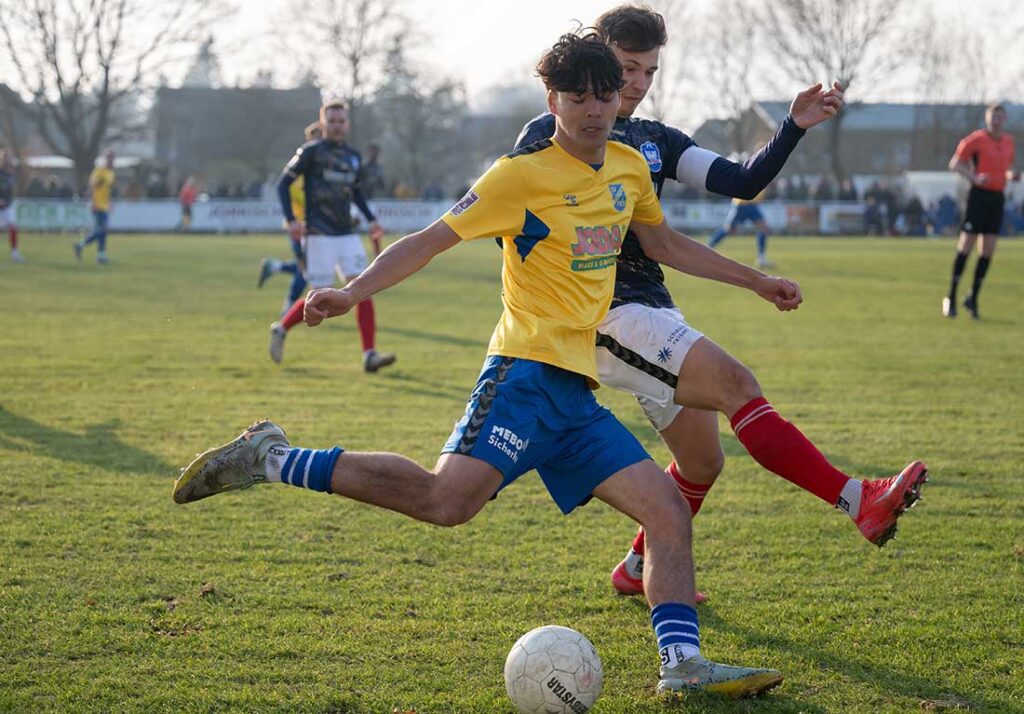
[396, 216]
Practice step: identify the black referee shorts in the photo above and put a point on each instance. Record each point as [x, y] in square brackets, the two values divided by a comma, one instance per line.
[984, 211]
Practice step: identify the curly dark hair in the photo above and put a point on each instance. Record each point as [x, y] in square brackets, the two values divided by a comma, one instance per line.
[581, 62]
[634, 28]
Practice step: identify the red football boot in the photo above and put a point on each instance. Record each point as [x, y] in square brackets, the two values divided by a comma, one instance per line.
[883, 501]
[626, 584]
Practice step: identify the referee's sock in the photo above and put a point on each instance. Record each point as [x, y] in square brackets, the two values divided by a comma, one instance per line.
[958, 269]
[979, 275]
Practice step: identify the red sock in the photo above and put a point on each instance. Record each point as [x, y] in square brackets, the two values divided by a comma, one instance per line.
[780, 447]
[694, 494]
[294, 315]
[13, 233]
[367, 324]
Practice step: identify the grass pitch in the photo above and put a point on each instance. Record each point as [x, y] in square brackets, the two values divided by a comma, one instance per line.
[112, 598]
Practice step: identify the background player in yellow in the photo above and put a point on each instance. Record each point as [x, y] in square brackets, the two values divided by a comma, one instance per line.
[562, 207]
[101, 182]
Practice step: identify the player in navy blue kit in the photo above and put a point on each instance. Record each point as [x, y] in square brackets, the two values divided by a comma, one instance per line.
[330, 169]
[645, 346]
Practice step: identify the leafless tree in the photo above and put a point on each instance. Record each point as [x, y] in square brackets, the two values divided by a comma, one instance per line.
[672, 84]
[81, 59]
[344, 44]
[861, 43]
[728, 41]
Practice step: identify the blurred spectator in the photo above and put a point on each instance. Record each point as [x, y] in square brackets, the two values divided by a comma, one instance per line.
[433, 192]
[403, 190]
[797, 190]
[873, 224]
[36, 188]
[186, 197]
[156, 186]
[134, 190]
[847, 191]
[823, 190]
[945, 216]
[254, 190]
[371, 176]
[914, 217]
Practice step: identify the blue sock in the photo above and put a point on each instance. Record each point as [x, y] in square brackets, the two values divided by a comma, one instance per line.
[91, 238]
[717, 237]
[762, 245]
[675, 626]
[102, 238]
[297, 288]
[310, 468]
[289, 267]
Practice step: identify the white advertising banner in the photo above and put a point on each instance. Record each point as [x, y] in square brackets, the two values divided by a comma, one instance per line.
[396, 216]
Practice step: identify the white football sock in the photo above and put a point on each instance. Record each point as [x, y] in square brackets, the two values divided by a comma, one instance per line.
[274, 462]
[849, 498]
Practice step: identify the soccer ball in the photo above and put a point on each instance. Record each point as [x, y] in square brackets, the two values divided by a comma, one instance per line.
[553, 670]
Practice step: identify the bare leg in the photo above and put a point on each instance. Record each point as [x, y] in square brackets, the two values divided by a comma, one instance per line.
[452, 494]
[712, 379]
[642, 492]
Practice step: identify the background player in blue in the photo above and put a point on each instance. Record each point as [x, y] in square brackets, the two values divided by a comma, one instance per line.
[645, 346]
[296, 267]
[743, 211]
[330, 168]
[533, 407]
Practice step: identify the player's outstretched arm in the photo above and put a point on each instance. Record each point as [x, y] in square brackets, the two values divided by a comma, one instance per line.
[398, 261]
[686, 255]
[816, 104]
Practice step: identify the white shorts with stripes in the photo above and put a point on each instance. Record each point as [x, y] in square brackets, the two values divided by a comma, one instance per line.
[330, 255]
[7, 217]
[640, 350]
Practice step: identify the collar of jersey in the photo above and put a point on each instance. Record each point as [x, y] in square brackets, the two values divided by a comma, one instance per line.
[580, 162]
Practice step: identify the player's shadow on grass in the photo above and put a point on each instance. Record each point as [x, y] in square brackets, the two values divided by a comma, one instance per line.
[99, 446]
[889, 679]
[435, 337]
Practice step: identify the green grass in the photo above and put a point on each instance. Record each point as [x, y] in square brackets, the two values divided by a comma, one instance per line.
[112, 598]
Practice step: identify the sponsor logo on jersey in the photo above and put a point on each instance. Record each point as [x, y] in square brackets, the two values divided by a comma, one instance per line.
[618, 196]
[506, 441]
[464, 204]
[652, 153]
[597, 240]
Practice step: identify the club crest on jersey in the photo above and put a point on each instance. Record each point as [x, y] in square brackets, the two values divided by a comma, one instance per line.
[618, 196]
[464, 204]
[652, 153]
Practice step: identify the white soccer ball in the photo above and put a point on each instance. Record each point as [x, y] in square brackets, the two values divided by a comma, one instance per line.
[553, 670]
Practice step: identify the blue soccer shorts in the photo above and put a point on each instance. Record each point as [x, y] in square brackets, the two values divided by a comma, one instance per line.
[526, 415]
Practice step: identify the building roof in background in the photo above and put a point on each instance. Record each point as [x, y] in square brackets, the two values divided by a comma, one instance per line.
[895, 117]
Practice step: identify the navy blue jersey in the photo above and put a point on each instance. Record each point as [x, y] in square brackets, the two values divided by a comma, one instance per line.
[331, 176]
[672, 154]
[6, 188]
[638, 279]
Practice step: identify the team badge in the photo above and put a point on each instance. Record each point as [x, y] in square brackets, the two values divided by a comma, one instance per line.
[652, 153]
[618, 196]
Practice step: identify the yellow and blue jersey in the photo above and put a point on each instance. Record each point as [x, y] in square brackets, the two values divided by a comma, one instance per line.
[746, 202]
[561, 224]
[297, 192]
[101, 180]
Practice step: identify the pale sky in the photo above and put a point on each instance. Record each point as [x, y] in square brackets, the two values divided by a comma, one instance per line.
[482, 44]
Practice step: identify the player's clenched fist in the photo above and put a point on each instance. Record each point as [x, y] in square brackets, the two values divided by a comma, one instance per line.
[785, 294]
[326, 302]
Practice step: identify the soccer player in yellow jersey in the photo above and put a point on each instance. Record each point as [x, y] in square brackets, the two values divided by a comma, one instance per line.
[562, 207]
[741, 212]
[101, 182]
[297, 267]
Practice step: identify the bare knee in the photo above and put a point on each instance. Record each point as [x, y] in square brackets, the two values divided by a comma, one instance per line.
[703, 466]
[743, 387]
[669, 517]
[449, 509]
